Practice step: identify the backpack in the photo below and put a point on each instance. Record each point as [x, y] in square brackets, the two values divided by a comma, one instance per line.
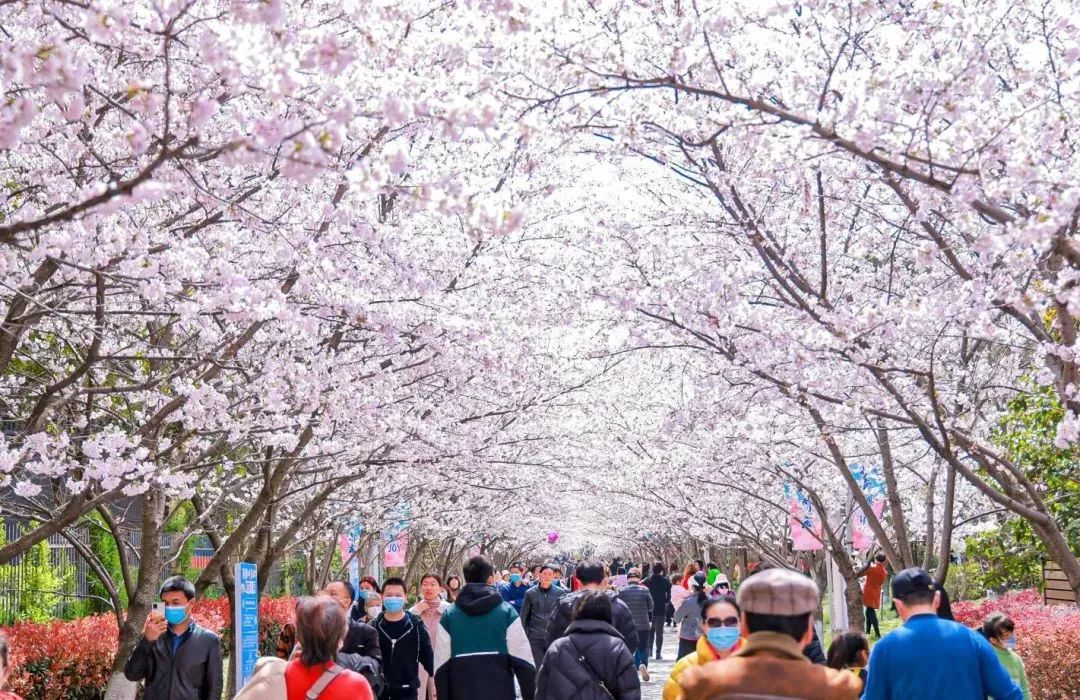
[268, 681]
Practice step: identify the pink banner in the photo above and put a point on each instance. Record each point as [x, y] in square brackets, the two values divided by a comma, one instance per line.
[806, 533]
[396, 549]
[344, 544]
[862, 537]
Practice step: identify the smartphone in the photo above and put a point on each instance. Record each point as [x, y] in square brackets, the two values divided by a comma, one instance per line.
[158, 608]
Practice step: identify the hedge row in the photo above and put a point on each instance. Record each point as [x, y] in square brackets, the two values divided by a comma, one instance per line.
[71, 660]
[1047, 639]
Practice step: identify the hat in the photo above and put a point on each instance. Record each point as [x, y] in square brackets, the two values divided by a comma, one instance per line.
[634, 573]
[912, 580]
[778, 592]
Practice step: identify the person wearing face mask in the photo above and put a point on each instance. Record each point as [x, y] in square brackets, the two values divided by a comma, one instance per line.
[514, 591]
[720, 638]
[369, 605]
[1000, 630]
[406, 646]
[178, 659]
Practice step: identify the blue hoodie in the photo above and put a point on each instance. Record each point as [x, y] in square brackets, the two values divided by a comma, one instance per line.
[515, 595]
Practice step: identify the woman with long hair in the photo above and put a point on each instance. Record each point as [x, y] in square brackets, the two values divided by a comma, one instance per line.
[850, 651]
[688, 573]
[452, 588]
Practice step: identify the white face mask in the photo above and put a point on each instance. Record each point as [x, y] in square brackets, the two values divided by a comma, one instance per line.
[374, 611]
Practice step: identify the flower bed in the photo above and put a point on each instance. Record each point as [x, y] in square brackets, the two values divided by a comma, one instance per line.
[72, 660]
[1048, 640]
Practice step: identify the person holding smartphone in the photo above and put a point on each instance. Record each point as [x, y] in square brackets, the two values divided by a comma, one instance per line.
[178, 659]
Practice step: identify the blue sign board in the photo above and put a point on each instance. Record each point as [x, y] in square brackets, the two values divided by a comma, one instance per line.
[246, 621]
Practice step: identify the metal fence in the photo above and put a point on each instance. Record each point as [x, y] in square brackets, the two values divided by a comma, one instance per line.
[71, 579]
[20, 588]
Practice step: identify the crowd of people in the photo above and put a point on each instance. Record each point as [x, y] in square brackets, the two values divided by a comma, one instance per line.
[559, 633]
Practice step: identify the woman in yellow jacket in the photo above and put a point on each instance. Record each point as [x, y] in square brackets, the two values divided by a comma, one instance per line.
[719, 639]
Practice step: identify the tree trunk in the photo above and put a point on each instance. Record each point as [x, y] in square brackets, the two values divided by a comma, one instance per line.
[946, 524]
[853, 594]
[931, 495]
[896, 505]
[153, 513]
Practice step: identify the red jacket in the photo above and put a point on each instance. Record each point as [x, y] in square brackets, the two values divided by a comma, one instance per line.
[349, 685]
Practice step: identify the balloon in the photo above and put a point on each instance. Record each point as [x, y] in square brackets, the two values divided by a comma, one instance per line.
[553, 537]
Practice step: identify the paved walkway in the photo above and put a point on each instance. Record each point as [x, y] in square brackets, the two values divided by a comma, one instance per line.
[659, 670]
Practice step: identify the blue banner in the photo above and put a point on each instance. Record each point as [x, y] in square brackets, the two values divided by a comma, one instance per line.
[246, 621]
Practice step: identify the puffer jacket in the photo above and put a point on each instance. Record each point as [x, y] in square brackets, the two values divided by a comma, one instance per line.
[537, 610]
[564, 610]
[564, 677]
[640, 602]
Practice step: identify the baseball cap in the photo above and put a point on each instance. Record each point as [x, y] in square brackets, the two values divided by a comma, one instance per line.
[778, 592]
[912, 580]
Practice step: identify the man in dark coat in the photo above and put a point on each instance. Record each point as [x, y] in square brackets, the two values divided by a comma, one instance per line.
[591, 662]
[660, 588]
[178, 659]
[591, 576]
[360, 650]
[640, 602]
[537, 610]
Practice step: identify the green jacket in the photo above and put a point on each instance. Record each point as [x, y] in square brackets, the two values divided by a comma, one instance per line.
[1015, 666]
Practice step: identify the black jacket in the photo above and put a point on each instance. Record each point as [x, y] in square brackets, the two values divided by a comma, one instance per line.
[563, 676]
[362, 639]
[813, 650]
[402, 659]
[537, 610]
[193, 674]
[624, 620]
[660, 588]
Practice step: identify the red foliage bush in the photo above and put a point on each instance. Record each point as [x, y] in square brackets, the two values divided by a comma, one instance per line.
[62, 660]
[72, 660]
[1047, 639]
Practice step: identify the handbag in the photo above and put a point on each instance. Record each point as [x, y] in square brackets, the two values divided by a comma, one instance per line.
[592, 671]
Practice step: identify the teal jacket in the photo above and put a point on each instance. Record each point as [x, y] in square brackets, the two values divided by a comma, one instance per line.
[482, 648]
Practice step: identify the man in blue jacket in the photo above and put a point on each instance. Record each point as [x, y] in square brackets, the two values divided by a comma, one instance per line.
[930, 657]
[514, 592]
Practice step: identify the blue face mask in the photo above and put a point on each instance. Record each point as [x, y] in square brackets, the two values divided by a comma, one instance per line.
[175, 614]
[364, 594]
[514, 578]
[1010, 643]
[722, 638]
[393, 605]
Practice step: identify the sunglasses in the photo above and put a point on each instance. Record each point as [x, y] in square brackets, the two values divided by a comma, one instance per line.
[714, 622]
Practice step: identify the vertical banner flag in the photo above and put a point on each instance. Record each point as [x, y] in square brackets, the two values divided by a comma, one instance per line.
[397, 537]
[806, 534]
[246, 614]
[872, 483]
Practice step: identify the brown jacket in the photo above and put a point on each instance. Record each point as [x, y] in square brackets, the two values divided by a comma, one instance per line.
[770, 666]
